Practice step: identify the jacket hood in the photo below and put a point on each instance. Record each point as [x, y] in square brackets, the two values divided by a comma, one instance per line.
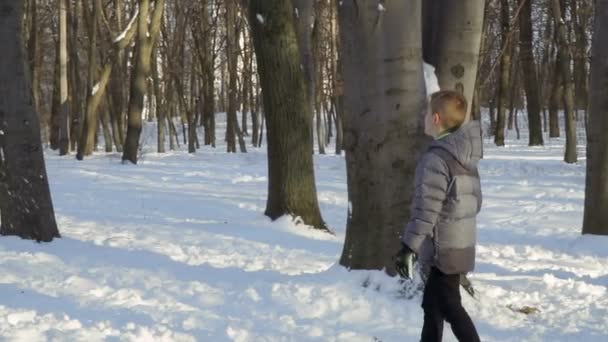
[464, 144]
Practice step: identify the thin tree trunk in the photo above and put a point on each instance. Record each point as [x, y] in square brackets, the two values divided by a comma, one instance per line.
[146, 37]
[515, 85]
[555, 100]
[529, 74]
[107, 132]
[383, 125]
[291, 180]
[517, 123]
[232, 56]
[25, 201]
[570, 154]
[76, 90]
[64, 116]
[160, 104]
[579, 18]
[505, 68]
[246, 86]
[56, 105]
[476, 101]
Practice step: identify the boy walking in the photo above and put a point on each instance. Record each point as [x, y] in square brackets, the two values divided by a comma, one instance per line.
[441, 232]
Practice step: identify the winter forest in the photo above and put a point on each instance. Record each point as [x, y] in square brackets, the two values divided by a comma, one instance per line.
[243, 170]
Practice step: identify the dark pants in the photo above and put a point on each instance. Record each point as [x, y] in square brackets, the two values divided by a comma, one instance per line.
[441, 302]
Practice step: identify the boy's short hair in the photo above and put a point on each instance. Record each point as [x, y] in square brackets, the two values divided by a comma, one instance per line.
[451, 107]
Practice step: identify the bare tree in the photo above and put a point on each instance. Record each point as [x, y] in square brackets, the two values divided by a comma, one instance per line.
[570, 155]
[64, 116]
[505, 73]
[147, 34]
[529, 73]
[288, 110]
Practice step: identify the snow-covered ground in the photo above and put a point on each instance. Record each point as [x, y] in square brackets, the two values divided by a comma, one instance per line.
[177, 249]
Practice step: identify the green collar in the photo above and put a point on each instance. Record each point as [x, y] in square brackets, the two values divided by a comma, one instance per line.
[446, 132]
[443, 134]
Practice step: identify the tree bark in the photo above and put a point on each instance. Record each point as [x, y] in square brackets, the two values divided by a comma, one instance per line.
[555, 99]
[146, 37]
[25, 199]
[595, 219]
[232, 60]
[384, 98]
[64, 116]
[505, 68]
[579, 18]
[288, 111]
[454, 30]
[570, 154]
[529, 74]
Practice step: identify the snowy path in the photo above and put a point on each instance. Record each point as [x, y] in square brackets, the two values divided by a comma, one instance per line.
[177, 249]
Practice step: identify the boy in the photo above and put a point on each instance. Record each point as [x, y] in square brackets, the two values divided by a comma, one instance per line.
[441, 231]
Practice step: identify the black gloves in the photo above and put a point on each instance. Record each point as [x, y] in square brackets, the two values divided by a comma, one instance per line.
[404, 262]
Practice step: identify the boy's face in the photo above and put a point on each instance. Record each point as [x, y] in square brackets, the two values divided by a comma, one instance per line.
[432, 123]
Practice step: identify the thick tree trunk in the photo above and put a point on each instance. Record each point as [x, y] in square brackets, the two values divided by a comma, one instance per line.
[25, 200]
[529, 74]
[384, 97]
[287, 106]
[505, 68]
[570, 154]
[453, 30]
[595, 220]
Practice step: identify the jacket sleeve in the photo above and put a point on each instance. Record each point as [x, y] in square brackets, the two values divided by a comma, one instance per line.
[431, 187]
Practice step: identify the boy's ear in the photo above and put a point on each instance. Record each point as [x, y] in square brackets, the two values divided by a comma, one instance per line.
[436, 118]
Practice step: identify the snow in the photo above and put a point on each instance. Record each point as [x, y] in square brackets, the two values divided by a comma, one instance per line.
[131, 23]
[430, 79]
[95, 89]
[177, 249]
[260, 18]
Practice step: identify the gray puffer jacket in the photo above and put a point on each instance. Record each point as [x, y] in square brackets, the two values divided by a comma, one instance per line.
[442, 227]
